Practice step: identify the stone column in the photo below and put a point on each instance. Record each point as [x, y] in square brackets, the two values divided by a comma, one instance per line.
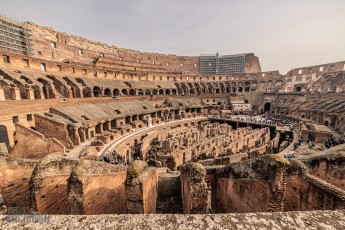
[30, 93]
[194, 188]
[2, 94]
[141, 188]
[15, 94]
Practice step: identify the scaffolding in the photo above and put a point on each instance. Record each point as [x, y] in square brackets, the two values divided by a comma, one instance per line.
[227, 64]
[15, 36]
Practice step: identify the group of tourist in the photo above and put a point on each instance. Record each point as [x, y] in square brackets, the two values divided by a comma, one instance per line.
[289, 156]
[112, 158]
[280, 120]
[334, 141]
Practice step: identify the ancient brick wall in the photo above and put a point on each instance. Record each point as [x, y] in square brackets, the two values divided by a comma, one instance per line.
[32, 144]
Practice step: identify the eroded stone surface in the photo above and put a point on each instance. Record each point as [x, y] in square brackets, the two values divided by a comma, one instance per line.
[332, 220]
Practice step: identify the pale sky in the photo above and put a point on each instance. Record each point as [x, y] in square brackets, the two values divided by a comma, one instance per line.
[284, 34]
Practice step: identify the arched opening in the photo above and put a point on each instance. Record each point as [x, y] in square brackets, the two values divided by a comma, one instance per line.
[81, 135]
[161, 92]
[247, 86]
[140, 92]
[37, 93]
[124, 92]
[148, 92]
[173, 92]
[298, 89]
[87, 92]
[107, 92]
[116, 92]
[132, 92]
[48, 92]
[155, 92]
[167, 92]
[97, 91]
[267, 107]
[4, 136]
[23, 93]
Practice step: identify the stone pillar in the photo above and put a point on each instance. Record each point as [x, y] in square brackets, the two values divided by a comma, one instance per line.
[30, 93]
[107, 125]
[141, 188]
[2, 94]
[194, 188]
[42, 93]
[15, 93]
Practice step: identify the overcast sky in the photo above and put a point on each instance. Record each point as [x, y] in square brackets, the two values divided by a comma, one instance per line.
[284, 34]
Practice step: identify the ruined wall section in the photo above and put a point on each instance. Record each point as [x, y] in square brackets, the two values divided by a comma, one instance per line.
[53, 45]
[329, 166]
[48, 185]
[253, 185]
[307, 192]
[14, 181]
[97, 188]
[32, 144]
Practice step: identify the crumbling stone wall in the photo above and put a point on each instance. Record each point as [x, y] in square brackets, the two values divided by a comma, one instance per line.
[14, 181]
[194, 188]
[32, 144]
[48, 185]
[97, 188]
[141, 188]
[250, 186]
[307, 192]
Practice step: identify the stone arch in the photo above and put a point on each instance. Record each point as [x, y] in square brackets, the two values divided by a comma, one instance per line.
[124, 92]
[233, 87]
[155, 92]
[227, 87]
[87, 92]
[167, 92]
[148, 92]
[269, 86]
[247, 86]
[184, 88]
[191, 88]
[240, 87]
[262, 86]
[173, 92]
[116, 92]
[97, 91]
[161, 92]
[47, 89]
[278, 85]
[132, 92]
[37, 93]
[209, 88]
[107, 92]
[298, 88]
[140, 92]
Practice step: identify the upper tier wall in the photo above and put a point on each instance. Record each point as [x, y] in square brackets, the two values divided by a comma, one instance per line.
[52, 45]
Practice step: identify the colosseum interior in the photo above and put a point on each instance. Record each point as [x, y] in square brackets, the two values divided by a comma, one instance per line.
[88, 129]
